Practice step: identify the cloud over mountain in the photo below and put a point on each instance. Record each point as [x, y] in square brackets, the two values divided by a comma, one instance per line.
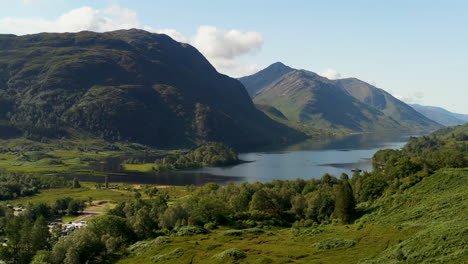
[331, 74]
[223, 48]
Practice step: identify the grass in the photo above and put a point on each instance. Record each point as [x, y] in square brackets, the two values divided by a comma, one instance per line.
[50, 195]
[146, 167]
[66, 219]
[278, 246]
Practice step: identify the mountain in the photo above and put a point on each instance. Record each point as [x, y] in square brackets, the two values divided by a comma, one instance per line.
[127, 85]
[440, 115]
[347, 104]
[265, 77]
[386, 103]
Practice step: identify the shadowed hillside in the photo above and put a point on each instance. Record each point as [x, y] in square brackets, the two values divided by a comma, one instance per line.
[125, 85]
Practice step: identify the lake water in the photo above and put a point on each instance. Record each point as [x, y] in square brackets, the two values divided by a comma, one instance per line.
[308, 159]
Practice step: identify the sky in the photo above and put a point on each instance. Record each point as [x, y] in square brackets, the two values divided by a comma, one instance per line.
[416, 50]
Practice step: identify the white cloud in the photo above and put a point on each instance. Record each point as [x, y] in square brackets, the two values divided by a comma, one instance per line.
[223, 48]
[83, 18]
[416, 98]
[226, 44]
[174, 34]
[331, 74]
[419, 95]
[235, 68]
[405, 99]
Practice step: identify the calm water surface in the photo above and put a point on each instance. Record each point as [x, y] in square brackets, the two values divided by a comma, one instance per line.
[308, 159]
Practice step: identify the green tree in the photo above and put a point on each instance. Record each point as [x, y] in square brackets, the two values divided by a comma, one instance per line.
[345, 204]
[264, 200]
[76, 183]
[40, 235]
[111, 225]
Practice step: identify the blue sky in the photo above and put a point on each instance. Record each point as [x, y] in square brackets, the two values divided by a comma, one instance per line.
[417, 50]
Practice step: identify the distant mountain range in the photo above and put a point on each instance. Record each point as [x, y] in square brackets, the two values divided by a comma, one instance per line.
[306, 98]
[128, 85]
[440, 115]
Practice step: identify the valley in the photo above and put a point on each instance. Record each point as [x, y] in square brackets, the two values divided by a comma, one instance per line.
[128, 146]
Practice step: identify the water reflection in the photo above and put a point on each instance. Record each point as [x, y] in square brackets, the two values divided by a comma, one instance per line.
[308, 159]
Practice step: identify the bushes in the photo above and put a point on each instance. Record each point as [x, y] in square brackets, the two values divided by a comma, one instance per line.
[191, 230]
[334, 243]
[243, 232]
[232, 253]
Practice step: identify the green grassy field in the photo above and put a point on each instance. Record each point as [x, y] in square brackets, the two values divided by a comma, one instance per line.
[124, 193]
[424, 224]
[88, 190]
[280, 246]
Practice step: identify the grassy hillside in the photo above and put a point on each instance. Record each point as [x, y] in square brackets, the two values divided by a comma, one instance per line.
[424, 224]
[341, 105]
[438, 207]
[265, 77]
[386, 103]
[309, 99]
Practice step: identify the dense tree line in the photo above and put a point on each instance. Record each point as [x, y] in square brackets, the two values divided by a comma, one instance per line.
[16, 184]
[396, 170]
[280, 203]
[213, 154]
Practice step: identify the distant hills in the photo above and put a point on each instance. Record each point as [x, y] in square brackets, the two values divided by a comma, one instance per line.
[128, 85]
[306, 98]
[440, 115]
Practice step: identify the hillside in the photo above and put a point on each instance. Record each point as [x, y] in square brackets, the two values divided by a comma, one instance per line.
[126, 85]
[265, 77]
[347, 104]
[416, 226]
[440, 115]
[386, 103]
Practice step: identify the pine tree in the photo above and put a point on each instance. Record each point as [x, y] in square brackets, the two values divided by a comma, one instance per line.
[76, 183]
[40, 235]
[345, 203]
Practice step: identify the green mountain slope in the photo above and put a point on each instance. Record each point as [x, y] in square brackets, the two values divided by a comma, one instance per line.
[307, 98]
[265, 77]
[440, 115]
[437, 207]
[125, 85]
[347, 104]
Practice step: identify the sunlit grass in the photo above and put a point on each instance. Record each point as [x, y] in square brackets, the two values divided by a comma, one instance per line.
[146, 167]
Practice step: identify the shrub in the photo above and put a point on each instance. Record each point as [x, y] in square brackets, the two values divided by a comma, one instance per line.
[232, 253]
[332, 243]
[305, 231]
[191, 230]
[234, 232]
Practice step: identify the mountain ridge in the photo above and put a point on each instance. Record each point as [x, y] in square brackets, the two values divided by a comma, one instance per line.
[441, 115]
[344, 104]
